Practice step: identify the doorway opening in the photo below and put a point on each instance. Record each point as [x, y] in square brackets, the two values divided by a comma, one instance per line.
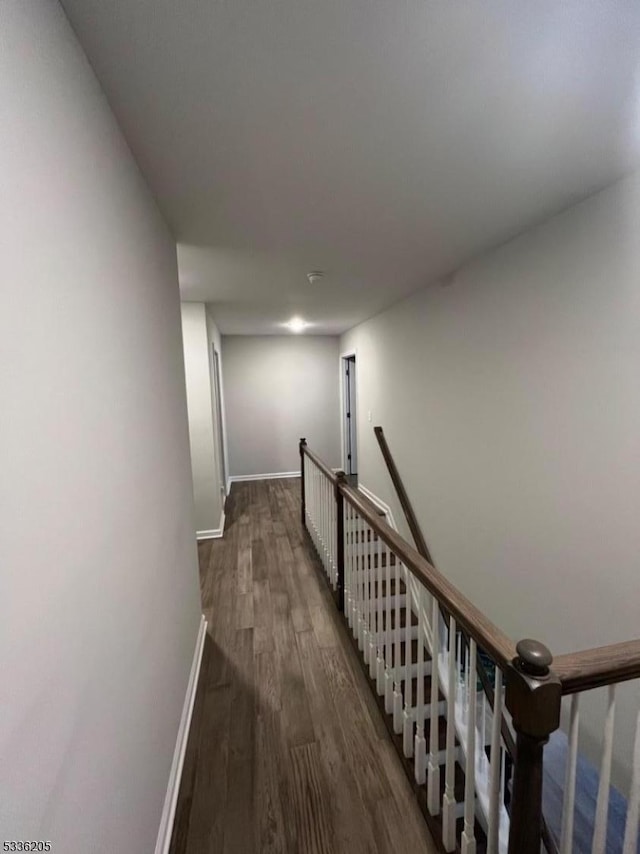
[349, 420]
[219, 422]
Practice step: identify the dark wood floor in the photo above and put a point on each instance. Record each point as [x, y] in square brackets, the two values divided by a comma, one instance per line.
[287, 750]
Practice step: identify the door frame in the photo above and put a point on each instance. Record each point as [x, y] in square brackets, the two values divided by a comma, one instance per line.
[219, 417]
[351, 353]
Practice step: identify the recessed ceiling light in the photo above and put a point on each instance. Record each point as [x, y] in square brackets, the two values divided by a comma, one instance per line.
[297, 324]
[314, 276]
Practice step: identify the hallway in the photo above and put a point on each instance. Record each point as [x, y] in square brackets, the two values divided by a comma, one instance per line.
[287, 750]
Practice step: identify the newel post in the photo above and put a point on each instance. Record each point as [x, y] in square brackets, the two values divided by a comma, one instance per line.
[533, 697]
[341, 479]
[303, 506]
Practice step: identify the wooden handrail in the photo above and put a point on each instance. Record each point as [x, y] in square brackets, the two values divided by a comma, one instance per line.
[603, 665]
[315, 459]
[487, 635]
[405, 503]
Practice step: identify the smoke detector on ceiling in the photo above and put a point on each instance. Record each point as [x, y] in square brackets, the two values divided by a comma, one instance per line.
[315, 276]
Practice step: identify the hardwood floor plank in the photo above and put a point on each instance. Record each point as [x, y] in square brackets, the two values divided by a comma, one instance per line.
[299, 610]
[207, 819]
[323, 626]
[259, 557]
[244, 564]
[239, 815]
[180, 834]
[270, 778]
[309, 789]
[352, 824]
[392, 825]
[360, 740]
[295, 702]
[262, 617]
[244, 611]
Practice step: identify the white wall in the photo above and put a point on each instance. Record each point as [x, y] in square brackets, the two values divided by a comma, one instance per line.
[278, 389]
[99, 596]
[197, 334]
[510, 401]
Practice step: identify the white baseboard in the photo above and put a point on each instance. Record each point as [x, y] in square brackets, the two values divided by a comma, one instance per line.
[171, 798]
[214, 533]
[237, 478]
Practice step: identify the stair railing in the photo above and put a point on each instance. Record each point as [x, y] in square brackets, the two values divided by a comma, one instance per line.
[424, 676]
[482, 673]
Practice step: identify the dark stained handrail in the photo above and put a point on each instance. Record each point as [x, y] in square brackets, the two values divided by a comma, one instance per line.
[324, 468]
[405, 503]
[593, 668]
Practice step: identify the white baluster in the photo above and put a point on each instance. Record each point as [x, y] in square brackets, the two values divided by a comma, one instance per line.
[323, 523]
[449, 801]
[365, 593]
[312, 517]
[332, 536]
[420, 746]
[346, 511]
[334, 505]
[433, 776]
[397, 687]
[379, 626]
[468, 842]
[630, 845]
[320, 517]
[319, 510]
[407, 722]
[352, 606]
[566, 837]
[373, 611]
[495, 794]
[602, 806]
[373, 606]
[361, 586]
[309, 496]
[316, 538]
[325, 495]
[388, 639]
[354, 572]
[354, 576]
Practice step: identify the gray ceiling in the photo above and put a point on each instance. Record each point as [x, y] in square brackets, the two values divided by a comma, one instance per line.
[383, 141]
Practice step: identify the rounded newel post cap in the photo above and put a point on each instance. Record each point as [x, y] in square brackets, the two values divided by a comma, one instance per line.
[340, 474]
[533, 657]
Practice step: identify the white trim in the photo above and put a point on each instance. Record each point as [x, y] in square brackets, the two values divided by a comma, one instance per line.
[273, 475]
[353, 351]
[214, 533]
[171, 798]
[379, 503]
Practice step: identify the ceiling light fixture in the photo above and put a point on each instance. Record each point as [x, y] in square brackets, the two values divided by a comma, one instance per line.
[296, 324]
[314, 276]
